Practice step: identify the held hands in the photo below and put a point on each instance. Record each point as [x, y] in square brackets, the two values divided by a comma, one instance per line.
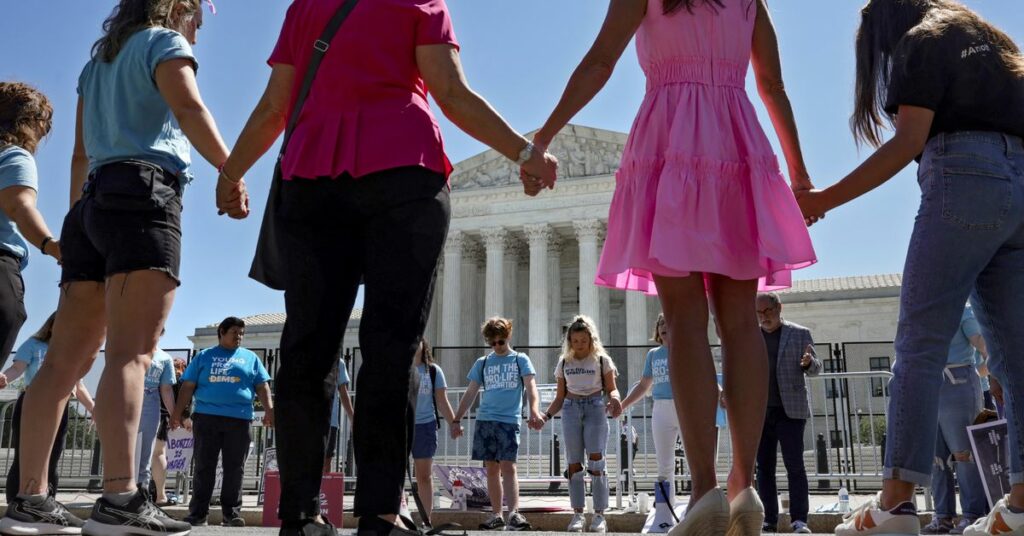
[175, 422]
[808, 356]
[268, 417]
[53, 249]
[232, 197]
[613, 407]
[540, 171]
[455, 429]
[812, 204]
[536, 421]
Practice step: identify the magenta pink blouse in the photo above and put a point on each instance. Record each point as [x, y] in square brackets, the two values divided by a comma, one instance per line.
[367, 110]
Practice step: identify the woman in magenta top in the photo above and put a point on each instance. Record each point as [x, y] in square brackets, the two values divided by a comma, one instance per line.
[364, 199]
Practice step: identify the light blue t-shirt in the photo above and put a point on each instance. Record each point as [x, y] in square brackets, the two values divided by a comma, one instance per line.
[161, 370]
[123, 114]
[343, 379]
[425, 400]
[226, 381]
[17, 168]
[502, 399]
[656, 367]
[960, 350]
[32, 351]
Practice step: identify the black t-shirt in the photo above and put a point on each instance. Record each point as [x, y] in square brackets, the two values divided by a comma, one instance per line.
[960, 76]
[771, 340]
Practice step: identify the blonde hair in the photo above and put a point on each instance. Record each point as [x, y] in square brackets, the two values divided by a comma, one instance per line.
[657, 329]
[45, 332]
[496, 327]
[583, 324]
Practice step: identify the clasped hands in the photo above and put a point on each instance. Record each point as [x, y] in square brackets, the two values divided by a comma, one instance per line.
[540, 171]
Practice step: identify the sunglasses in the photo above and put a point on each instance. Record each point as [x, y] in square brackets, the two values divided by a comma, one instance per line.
[500, 342]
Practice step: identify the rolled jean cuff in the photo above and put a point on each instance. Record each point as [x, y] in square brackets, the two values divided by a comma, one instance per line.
[1016, 478]
[906, 475]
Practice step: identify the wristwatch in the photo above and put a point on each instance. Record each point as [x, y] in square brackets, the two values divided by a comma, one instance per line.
[525, 154]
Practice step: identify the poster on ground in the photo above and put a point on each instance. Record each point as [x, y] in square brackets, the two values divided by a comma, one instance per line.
[990, 444]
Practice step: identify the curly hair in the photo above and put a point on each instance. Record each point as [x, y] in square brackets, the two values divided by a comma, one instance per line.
[130, 16]
[26, 115]
[496, 327]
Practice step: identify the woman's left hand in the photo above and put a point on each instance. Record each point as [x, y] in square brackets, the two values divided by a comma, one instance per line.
[232, 198]
[614, 408]
[812, 204]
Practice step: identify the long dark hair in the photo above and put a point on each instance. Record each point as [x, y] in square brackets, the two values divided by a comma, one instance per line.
[671, 6]
[130, 16]
[884, 24]
[428, 352]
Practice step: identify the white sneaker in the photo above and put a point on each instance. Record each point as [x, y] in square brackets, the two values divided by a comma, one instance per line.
[707, 517]
[598, 524]
[999, 521]
[746, 514]
[869, 518]
[576, 525]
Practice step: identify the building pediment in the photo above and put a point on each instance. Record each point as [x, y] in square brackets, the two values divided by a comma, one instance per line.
[581, 151]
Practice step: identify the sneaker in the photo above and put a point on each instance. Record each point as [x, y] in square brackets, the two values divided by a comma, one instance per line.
[233, 522]
[999, 521]
[516, 521]
[195, 521]
[768, 527]
[746, 514]
[598, 524]
[311, 528]
[869, 518]
[962, 525]
[576, 524]
[800, 527]
[709, 515]
[48, 517]
[139, 517]
[494, 523]
[939, 525]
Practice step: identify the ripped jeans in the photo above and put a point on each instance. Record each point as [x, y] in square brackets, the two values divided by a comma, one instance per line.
[959, 403]
[585, 431]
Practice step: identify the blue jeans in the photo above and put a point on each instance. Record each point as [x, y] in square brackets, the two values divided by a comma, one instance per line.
[968, 241]
[585, 430]
[149, 423]
[959, 403]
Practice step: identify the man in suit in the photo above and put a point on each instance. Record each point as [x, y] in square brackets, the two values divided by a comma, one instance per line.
[790, 357]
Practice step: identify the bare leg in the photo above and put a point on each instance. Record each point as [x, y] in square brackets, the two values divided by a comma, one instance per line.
[159, 464]
[494, 486]
[692, 373]
[745, 374]
[77, 336]
[510, 481]
[137, 307]
[425, 484]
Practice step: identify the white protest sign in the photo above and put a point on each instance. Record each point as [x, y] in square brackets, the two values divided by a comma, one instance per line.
[180, 446]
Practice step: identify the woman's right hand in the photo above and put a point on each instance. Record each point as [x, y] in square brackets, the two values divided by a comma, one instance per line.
[232, 197]
[543, 166]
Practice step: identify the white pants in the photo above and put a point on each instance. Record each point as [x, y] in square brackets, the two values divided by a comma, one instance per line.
[665, 428]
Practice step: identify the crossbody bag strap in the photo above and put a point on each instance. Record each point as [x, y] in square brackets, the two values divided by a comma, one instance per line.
[320, 47]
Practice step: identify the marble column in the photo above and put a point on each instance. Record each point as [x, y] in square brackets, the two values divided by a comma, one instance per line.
[538, 236]
[451, 302]
[495, 242]
[588, 234]
[554, 302]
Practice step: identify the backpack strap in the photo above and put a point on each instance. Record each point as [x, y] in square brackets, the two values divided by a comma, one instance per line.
[433, 394]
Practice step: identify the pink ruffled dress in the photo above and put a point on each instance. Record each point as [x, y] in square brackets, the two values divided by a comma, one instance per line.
[699, 188]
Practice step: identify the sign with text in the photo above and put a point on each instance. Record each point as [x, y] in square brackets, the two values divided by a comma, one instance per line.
[990, 443]
[180, 446]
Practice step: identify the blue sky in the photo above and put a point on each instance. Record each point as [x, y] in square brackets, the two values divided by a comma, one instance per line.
[518, 54]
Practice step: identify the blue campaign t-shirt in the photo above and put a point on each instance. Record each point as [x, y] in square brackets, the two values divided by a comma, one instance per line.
[502, 399]
[32, 351]
[343, 379]
[226, 381]
[960, 350]
[17, 168]
[161, 370]
[123, 114]
[656, 367]
[425, 400]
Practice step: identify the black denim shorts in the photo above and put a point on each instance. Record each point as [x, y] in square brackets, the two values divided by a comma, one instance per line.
[128, 219]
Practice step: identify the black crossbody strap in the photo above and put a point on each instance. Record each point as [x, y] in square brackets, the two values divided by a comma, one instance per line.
[320, 47]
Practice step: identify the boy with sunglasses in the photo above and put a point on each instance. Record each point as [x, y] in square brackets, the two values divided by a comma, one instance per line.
[504, 375]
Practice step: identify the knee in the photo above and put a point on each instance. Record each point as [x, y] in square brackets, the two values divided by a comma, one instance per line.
[493, 469]
[596, 464]
[735, 322]
[575, 471]
[508, 469]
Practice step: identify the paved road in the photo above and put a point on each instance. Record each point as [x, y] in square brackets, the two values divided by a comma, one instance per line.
[223, 531]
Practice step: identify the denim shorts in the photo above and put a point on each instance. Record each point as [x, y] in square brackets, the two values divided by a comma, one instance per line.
[496, 441]
[128, 219]
[424, 441]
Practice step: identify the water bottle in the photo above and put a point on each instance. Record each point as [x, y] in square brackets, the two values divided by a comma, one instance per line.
[459, 496]
[643, 503]
[844, 500]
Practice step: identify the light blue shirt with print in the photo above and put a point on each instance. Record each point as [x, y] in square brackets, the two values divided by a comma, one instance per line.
[343, 379]
[32, 351]
[225, 381]
[17, 168]
[961, 352]
[501, 380]
[124, 117]
[656, 368]
[161, 370]
[425, 400]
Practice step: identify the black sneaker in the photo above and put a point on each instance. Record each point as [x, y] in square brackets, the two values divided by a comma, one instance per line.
[139, 517]
[494, 523]
[307, 527]
[195, 521]
[516, 521]
[47, 517]
[233, 522]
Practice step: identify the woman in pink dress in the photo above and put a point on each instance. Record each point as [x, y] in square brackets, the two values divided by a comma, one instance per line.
[701, 212]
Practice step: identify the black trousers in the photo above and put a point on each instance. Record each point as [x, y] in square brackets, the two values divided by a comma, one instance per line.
[14, 473]
[12, 303]
[228, 438]
[387, 231]
[781, 430]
